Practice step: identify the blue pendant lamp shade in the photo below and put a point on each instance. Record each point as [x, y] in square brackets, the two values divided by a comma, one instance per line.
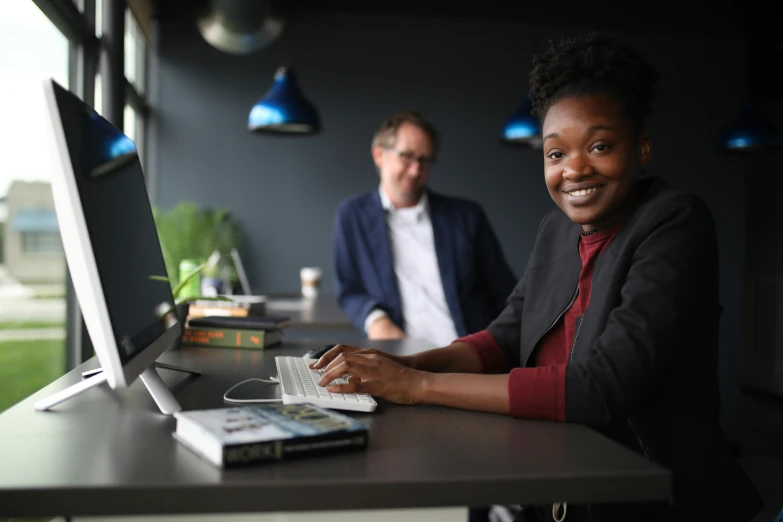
[522, 128]
[750, 132]
[283, 109]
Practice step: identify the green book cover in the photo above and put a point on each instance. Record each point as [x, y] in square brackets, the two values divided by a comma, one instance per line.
[231, 337]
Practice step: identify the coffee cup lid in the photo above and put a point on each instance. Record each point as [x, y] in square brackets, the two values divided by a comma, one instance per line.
[310, 271]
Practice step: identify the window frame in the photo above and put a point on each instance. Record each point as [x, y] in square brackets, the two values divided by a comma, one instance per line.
[75, 19]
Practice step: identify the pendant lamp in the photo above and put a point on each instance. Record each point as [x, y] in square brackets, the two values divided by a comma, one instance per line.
[522, 128]
[283, 109]
[750, 132]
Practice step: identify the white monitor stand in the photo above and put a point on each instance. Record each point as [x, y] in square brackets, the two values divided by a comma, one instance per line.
[150, 377]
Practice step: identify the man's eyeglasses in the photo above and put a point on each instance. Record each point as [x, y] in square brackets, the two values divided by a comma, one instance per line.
[408, 158]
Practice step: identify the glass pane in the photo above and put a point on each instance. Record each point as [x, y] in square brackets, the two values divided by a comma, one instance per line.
[98, 18]
[134, 129]
[32, 264]
[135, 49]
[141, 62]
[98, 94]
[129, 122]
[130, 47]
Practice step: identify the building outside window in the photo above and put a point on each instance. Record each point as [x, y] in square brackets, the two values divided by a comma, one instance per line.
[32, 267]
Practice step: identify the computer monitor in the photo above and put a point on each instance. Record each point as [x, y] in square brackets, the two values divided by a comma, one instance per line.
[111, 246]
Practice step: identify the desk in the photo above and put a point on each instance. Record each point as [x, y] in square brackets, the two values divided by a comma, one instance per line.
[323, 314]
[111, 453]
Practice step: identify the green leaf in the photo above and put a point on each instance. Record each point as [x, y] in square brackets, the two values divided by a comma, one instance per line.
[183, 300]
[159, 278]
[185, 281]
[189, 232]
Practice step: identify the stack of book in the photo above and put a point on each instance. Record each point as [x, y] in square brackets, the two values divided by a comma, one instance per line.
[234, 308]
[219, 331]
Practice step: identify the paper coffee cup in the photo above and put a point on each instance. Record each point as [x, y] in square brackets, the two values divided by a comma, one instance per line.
[311, 281]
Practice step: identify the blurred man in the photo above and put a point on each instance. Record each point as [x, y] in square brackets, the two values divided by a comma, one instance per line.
[408, 261]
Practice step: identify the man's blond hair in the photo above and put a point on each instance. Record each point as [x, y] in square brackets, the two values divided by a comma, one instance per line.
[386, 135]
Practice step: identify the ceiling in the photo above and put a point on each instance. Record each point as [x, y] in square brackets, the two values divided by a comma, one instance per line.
[718, 18]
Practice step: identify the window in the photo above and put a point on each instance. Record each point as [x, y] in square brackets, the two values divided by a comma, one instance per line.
[98, 18]
[33, 272]
[33, 267]
[135, 46]
[41, 243]
[129, 120]
[98, 94]
[135, 65]
[135, 52]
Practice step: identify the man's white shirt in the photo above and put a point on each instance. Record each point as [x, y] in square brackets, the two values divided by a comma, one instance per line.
[419, 282]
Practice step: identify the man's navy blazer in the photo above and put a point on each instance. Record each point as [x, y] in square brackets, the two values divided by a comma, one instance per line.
[476, 278]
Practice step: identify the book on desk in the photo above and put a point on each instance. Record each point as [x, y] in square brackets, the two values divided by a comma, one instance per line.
[229, 308]
[231, 337]
[235, 332]
[238, 436]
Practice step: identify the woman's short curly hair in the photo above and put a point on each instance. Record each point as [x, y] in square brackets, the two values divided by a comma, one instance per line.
[590, 64]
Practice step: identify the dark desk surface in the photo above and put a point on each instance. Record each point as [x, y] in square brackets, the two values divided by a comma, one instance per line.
[110, 452]
[323, 313]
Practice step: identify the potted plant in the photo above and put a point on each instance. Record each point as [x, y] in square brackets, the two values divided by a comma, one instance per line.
[190, 232]
[181, 302]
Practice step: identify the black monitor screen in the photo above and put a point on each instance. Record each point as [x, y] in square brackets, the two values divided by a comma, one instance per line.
[120, 224]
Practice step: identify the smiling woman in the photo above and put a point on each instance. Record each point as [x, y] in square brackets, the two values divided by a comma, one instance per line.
[615, 321]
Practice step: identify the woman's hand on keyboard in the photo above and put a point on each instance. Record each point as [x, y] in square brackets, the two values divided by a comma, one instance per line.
[373, 372]
[332, 354]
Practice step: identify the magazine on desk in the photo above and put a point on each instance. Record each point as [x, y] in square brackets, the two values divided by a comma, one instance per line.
[231, 437]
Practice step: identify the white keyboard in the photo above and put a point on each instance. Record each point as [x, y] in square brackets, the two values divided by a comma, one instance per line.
[299, 384]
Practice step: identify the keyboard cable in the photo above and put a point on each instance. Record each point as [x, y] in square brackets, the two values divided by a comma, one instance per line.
[271, 380]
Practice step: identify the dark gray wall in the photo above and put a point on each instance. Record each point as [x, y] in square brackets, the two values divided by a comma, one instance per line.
[467, 76]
